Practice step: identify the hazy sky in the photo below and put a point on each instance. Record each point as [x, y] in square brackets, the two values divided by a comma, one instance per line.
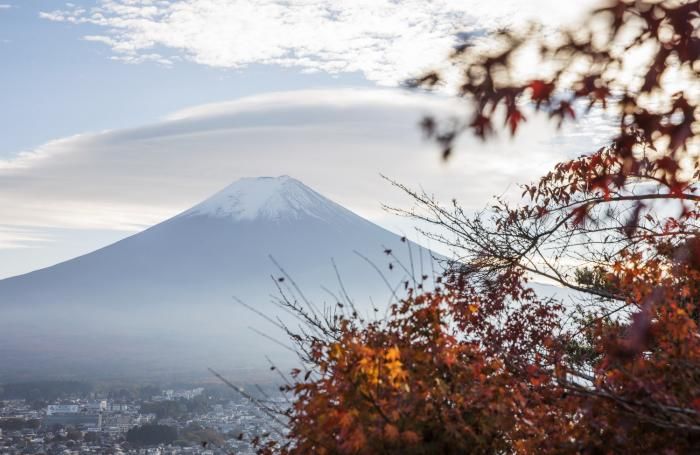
[117, 114]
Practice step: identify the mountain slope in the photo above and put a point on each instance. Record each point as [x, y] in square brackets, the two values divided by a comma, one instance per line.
[163, 299]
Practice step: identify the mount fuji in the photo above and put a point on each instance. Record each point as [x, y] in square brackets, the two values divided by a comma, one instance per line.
[161, 301]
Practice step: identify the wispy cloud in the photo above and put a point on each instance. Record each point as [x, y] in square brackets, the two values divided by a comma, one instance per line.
[386, 40]
[5, 6]
[12, 237]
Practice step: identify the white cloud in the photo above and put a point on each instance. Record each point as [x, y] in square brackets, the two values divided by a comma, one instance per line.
[336, 141]
[12, 237]
[386, 40]
[5, 6]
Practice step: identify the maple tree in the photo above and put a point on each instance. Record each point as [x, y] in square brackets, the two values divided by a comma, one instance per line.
[618, 227]
[477, 362]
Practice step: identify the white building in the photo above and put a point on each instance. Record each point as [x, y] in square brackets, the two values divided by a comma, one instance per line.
[114, 407]
[62, 409]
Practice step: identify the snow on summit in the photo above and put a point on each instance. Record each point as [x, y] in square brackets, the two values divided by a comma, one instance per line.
[271, 198]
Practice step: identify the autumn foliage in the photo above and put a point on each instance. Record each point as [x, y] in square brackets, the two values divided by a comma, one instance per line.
[414, 383]
[477, 362]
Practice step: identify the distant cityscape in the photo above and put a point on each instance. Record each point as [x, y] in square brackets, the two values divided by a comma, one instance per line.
[196, 420]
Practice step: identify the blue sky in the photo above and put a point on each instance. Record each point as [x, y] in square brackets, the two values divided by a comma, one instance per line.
[57, 84]
[117, 114]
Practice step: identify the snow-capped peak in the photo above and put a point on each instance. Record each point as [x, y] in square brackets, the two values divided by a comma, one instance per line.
[265, 197]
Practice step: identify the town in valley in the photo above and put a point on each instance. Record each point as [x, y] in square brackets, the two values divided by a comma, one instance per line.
[75, 418]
